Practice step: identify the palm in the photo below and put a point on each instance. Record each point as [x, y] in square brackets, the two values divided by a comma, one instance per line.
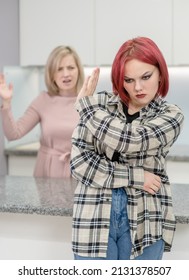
[6, 91]
[90, 84]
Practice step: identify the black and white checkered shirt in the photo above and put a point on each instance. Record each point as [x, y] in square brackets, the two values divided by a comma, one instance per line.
[141, 145]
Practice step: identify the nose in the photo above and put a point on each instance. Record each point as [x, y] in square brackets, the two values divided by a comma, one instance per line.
[138, 85]
[65, 72]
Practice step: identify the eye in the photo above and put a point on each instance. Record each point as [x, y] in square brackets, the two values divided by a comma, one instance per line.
[146, 77]
[60, 69]
[128, 80]
[71, 67]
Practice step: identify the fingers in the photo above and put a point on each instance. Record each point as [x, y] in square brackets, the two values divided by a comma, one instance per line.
[85, 84]
[89, 85]
[152, 182]
[157, 178]
[154, 188]
[93, 80]
[151, 189]
[11, 86]
[157, 182]
[2, 78]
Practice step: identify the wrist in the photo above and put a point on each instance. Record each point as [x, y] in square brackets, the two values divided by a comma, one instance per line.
[6, 103]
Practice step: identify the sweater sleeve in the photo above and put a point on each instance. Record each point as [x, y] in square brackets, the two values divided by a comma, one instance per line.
[16, 129]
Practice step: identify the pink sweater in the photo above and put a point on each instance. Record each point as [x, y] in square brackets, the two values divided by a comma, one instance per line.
[57, 118]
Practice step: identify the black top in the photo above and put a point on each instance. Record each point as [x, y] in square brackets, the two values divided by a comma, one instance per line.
[129, 119]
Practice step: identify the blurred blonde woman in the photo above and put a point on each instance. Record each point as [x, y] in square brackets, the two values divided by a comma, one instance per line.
[53, 109]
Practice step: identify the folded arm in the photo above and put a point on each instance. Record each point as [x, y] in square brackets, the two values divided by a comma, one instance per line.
[134, 137]
[94, 169]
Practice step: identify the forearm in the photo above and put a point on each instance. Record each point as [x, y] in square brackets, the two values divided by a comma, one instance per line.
[16, 129]
[6, 103]
[161, 130]
[98, 171]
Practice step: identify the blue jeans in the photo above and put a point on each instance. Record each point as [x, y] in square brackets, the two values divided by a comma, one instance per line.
[119, 242]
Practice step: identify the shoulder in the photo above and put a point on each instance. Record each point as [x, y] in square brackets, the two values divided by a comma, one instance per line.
[160, 105]
[40, 99]
[170, 107]
[169, 111]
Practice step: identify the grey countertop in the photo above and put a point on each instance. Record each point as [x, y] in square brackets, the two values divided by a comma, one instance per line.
[177, 152]
[36, 195]
[55, 197]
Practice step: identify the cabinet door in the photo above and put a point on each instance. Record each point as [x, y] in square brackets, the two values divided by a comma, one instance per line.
[118, 21]
[45, 24]
[181, 38]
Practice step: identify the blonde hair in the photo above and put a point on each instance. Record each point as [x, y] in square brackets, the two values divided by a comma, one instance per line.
[53, 63]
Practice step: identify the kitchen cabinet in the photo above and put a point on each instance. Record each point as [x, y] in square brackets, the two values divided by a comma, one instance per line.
[96, 28]
[118, 21]
[180, 37]
[46, 24]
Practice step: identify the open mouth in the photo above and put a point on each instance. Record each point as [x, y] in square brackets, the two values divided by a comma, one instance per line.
[66, 81]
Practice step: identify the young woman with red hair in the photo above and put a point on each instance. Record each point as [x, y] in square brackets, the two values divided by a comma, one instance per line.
[123, 204]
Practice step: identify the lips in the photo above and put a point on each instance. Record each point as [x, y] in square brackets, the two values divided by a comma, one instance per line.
[140, 95]
[66, 81]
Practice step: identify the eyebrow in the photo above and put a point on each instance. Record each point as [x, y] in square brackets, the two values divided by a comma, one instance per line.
[146, 73]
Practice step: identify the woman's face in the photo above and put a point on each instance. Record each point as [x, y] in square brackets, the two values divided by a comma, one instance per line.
[66, 76]
[141, 81]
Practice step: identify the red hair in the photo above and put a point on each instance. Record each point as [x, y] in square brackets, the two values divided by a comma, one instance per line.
[145, 50]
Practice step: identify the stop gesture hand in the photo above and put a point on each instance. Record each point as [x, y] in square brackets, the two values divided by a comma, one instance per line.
[90, 84]
[6, 91]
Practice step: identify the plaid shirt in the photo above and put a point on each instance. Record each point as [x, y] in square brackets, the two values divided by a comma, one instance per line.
[142, 145]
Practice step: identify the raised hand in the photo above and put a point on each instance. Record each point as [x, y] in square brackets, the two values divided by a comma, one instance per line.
[6, 91]
[89, 84]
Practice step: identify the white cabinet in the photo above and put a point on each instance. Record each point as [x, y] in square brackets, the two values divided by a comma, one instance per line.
[21, 165]
[35, 237]
[118, 21]
[180, 28]
[97, 28]
[45, 24]
[21, 159]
